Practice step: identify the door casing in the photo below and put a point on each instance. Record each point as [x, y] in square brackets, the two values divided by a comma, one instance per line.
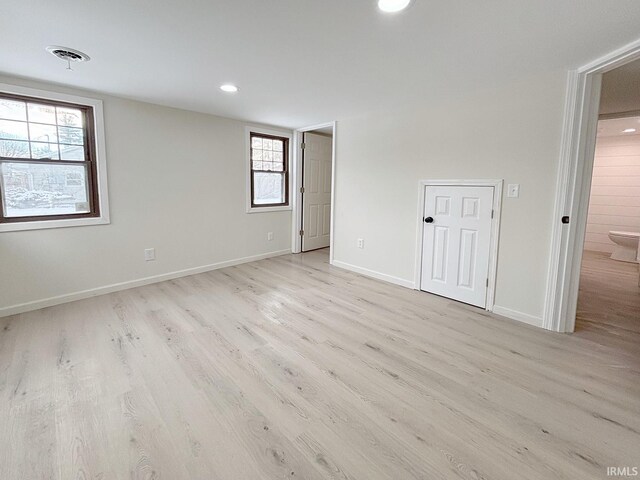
[296, 182]
[495, 229]
[573, 185]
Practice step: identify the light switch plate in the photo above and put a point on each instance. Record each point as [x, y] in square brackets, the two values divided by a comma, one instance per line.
[513, 190]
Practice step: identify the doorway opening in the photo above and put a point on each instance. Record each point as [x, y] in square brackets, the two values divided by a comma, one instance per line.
[313, 188]
[602, 96]
[609, 291]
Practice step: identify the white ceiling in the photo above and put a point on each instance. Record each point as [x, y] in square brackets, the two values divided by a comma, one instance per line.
[615, 127]
[303, 62]
[621, 89]
[324, 130]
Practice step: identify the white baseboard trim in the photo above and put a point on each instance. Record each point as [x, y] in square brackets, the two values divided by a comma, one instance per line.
[373, 274]
[94, 292]
[519, 316]
[498, 310]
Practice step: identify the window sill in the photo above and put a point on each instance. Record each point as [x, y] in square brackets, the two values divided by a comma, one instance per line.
[269, 209]
[46, 224]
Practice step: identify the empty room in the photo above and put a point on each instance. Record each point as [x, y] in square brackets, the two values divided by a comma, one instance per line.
[365, 239]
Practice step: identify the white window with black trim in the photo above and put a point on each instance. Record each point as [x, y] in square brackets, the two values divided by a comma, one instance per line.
[268, 183]
[52, 171]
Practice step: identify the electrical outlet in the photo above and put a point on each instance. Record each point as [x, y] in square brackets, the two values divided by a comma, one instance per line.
[270, 236]
[360, 243]
[513, 190]
[149, 254]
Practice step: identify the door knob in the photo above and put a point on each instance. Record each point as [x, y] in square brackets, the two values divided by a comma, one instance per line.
[428, 220]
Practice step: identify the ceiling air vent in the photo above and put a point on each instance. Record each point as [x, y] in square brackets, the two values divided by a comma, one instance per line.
[68, 55]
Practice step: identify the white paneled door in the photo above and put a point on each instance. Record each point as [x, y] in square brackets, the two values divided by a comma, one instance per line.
[457, 242]
[316, 198]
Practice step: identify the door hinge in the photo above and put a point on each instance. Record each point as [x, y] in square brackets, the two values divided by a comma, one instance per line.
[487, 282]
[492, 213]
[303, 145]
[301, 189]
[302, 233]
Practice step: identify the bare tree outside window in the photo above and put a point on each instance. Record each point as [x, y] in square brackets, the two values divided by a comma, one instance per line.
[47, 160]
[269, 170]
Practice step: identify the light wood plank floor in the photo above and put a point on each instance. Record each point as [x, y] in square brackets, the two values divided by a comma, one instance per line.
[290, 368]
[609, 302]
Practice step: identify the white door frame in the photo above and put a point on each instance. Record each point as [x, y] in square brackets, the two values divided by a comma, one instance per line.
[573, 186]
[495, 229]
[297, 182]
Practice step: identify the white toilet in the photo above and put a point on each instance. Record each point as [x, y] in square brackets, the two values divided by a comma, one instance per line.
[627, 246]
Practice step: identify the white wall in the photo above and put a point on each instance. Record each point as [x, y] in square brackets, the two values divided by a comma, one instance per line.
[510, 133]
[615, 191]
[176, 183]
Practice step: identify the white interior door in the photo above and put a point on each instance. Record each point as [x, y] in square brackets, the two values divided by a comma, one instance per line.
[457, 242]
[316, 198]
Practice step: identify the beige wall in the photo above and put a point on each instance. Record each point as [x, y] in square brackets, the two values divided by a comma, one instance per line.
[615, 191]
[176, 183]
[509, 133]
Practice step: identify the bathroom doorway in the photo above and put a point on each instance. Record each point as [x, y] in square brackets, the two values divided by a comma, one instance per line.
[609, 292]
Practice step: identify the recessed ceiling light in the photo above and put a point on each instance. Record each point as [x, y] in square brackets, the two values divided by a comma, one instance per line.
[629, 130]
[227, 87]
[392, 6]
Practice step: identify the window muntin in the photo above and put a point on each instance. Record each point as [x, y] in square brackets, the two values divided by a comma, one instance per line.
[269, 170]
[47, 160]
